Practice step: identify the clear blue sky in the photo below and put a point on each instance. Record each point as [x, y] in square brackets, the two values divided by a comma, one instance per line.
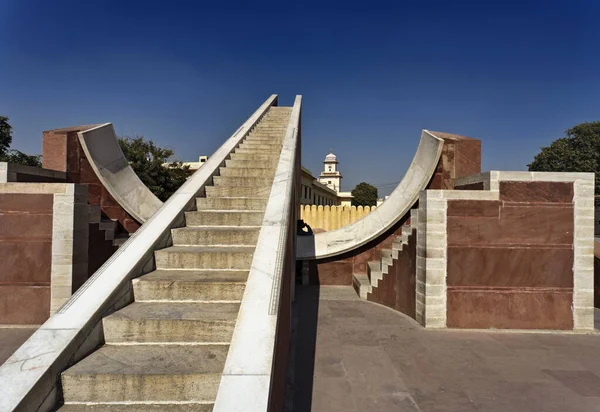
[515, 74]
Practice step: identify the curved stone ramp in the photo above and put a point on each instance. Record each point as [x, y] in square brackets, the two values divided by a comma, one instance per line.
[102, 150]
[396, 206]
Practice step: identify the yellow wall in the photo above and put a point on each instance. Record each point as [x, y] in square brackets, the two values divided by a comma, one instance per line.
[334, 217]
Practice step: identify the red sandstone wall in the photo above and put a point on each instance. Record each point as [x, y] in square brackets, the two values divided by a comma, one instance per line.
[25, 253]
[397, 288]
[62, 151]
[510, 262]
[461, 156]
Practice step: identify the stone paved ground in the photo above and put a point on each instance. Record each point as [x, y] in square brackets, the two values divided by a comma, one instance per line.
[351, 355]
[11, 339]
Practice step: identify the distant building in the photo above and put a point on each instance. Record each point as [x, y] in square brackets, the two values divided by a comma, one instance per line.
[326, 189]
[193, 166]
[330, 176]
[312, 192]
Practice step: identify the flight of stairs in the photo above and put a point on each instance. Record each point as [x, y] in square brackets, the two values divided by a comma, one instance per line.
[166, 351]
[378, 269]
[110, 227]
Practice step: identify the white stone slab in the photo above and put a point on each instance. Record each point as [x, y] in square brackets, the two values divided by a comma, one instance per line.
[101, 147]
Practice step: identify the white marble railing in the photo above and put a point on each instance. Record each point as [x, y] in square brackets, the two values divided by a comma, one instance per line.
[252, 380]
[29, 378]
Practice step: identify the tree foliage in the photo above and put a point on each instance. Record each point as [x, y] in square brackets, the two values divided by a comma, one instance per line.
[147, 160]
[364, 195]
[5, 136]
[579, 151]
[12, 155]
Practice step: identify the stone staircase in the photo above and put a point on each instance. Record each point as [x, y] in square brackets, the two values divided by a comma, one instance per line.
[378, 270]
[108, 226]
[166, 351]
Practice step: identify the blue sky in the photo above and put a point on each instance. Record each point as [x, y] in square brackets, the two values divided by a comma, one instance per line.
[373, 74]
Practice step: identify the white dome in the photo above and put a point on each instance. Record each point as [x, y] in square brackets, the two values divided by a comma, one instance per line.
[330, 157]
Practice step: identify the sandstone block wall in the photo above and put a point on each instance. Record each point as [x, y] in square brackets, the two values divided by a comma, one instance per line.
[516, 255]
[43, 248]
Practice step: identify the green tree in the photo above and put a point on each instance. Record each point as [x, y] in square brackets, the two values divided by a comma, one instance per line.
[16, 156]
[147, 160]
[579, 151]
[13, 155]
[5, 137]
[364, 195]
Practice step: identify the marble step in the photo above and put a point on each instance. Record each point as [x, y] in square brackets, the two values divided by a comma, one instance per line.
[273, 140]
[362, 284]
[279, 125]
[252, 164]
[374, 271]
[138, 407]
[190, 285]
[387, 258]
[215, 235]
[238, 172]
[204, 257]
[237, 191]
[146, 373]
[243, 181]
[266, 141]
[263, 143]
[266, 136]
[224, 217]
[256, 156]
[231, 203]
[161, 322]
[264, 150]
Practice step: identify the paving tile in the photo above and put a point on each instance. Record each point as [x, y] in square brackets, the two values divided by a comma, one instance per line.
[442, 400]
[332, 395]
[342, 309]
[329, 362]
[370, 371]
[584, 383]
[397, 402]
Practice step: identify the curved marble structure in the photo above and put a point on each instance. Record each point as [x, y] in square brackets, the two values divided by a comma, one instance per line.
[400, 201]
[102, 150]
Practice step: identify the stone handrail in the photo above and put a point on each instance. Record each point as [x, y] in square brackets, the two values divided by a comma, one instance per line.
[101, 147]
[252, 376]
[376, 223]
[28, 379]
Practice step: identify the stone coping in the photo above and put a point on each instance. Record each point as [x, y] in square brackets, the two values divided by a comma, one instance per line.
[245, 384]
[8, 172]
[400, 201]
[101, 147]
[38, 188]
[29, 378]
